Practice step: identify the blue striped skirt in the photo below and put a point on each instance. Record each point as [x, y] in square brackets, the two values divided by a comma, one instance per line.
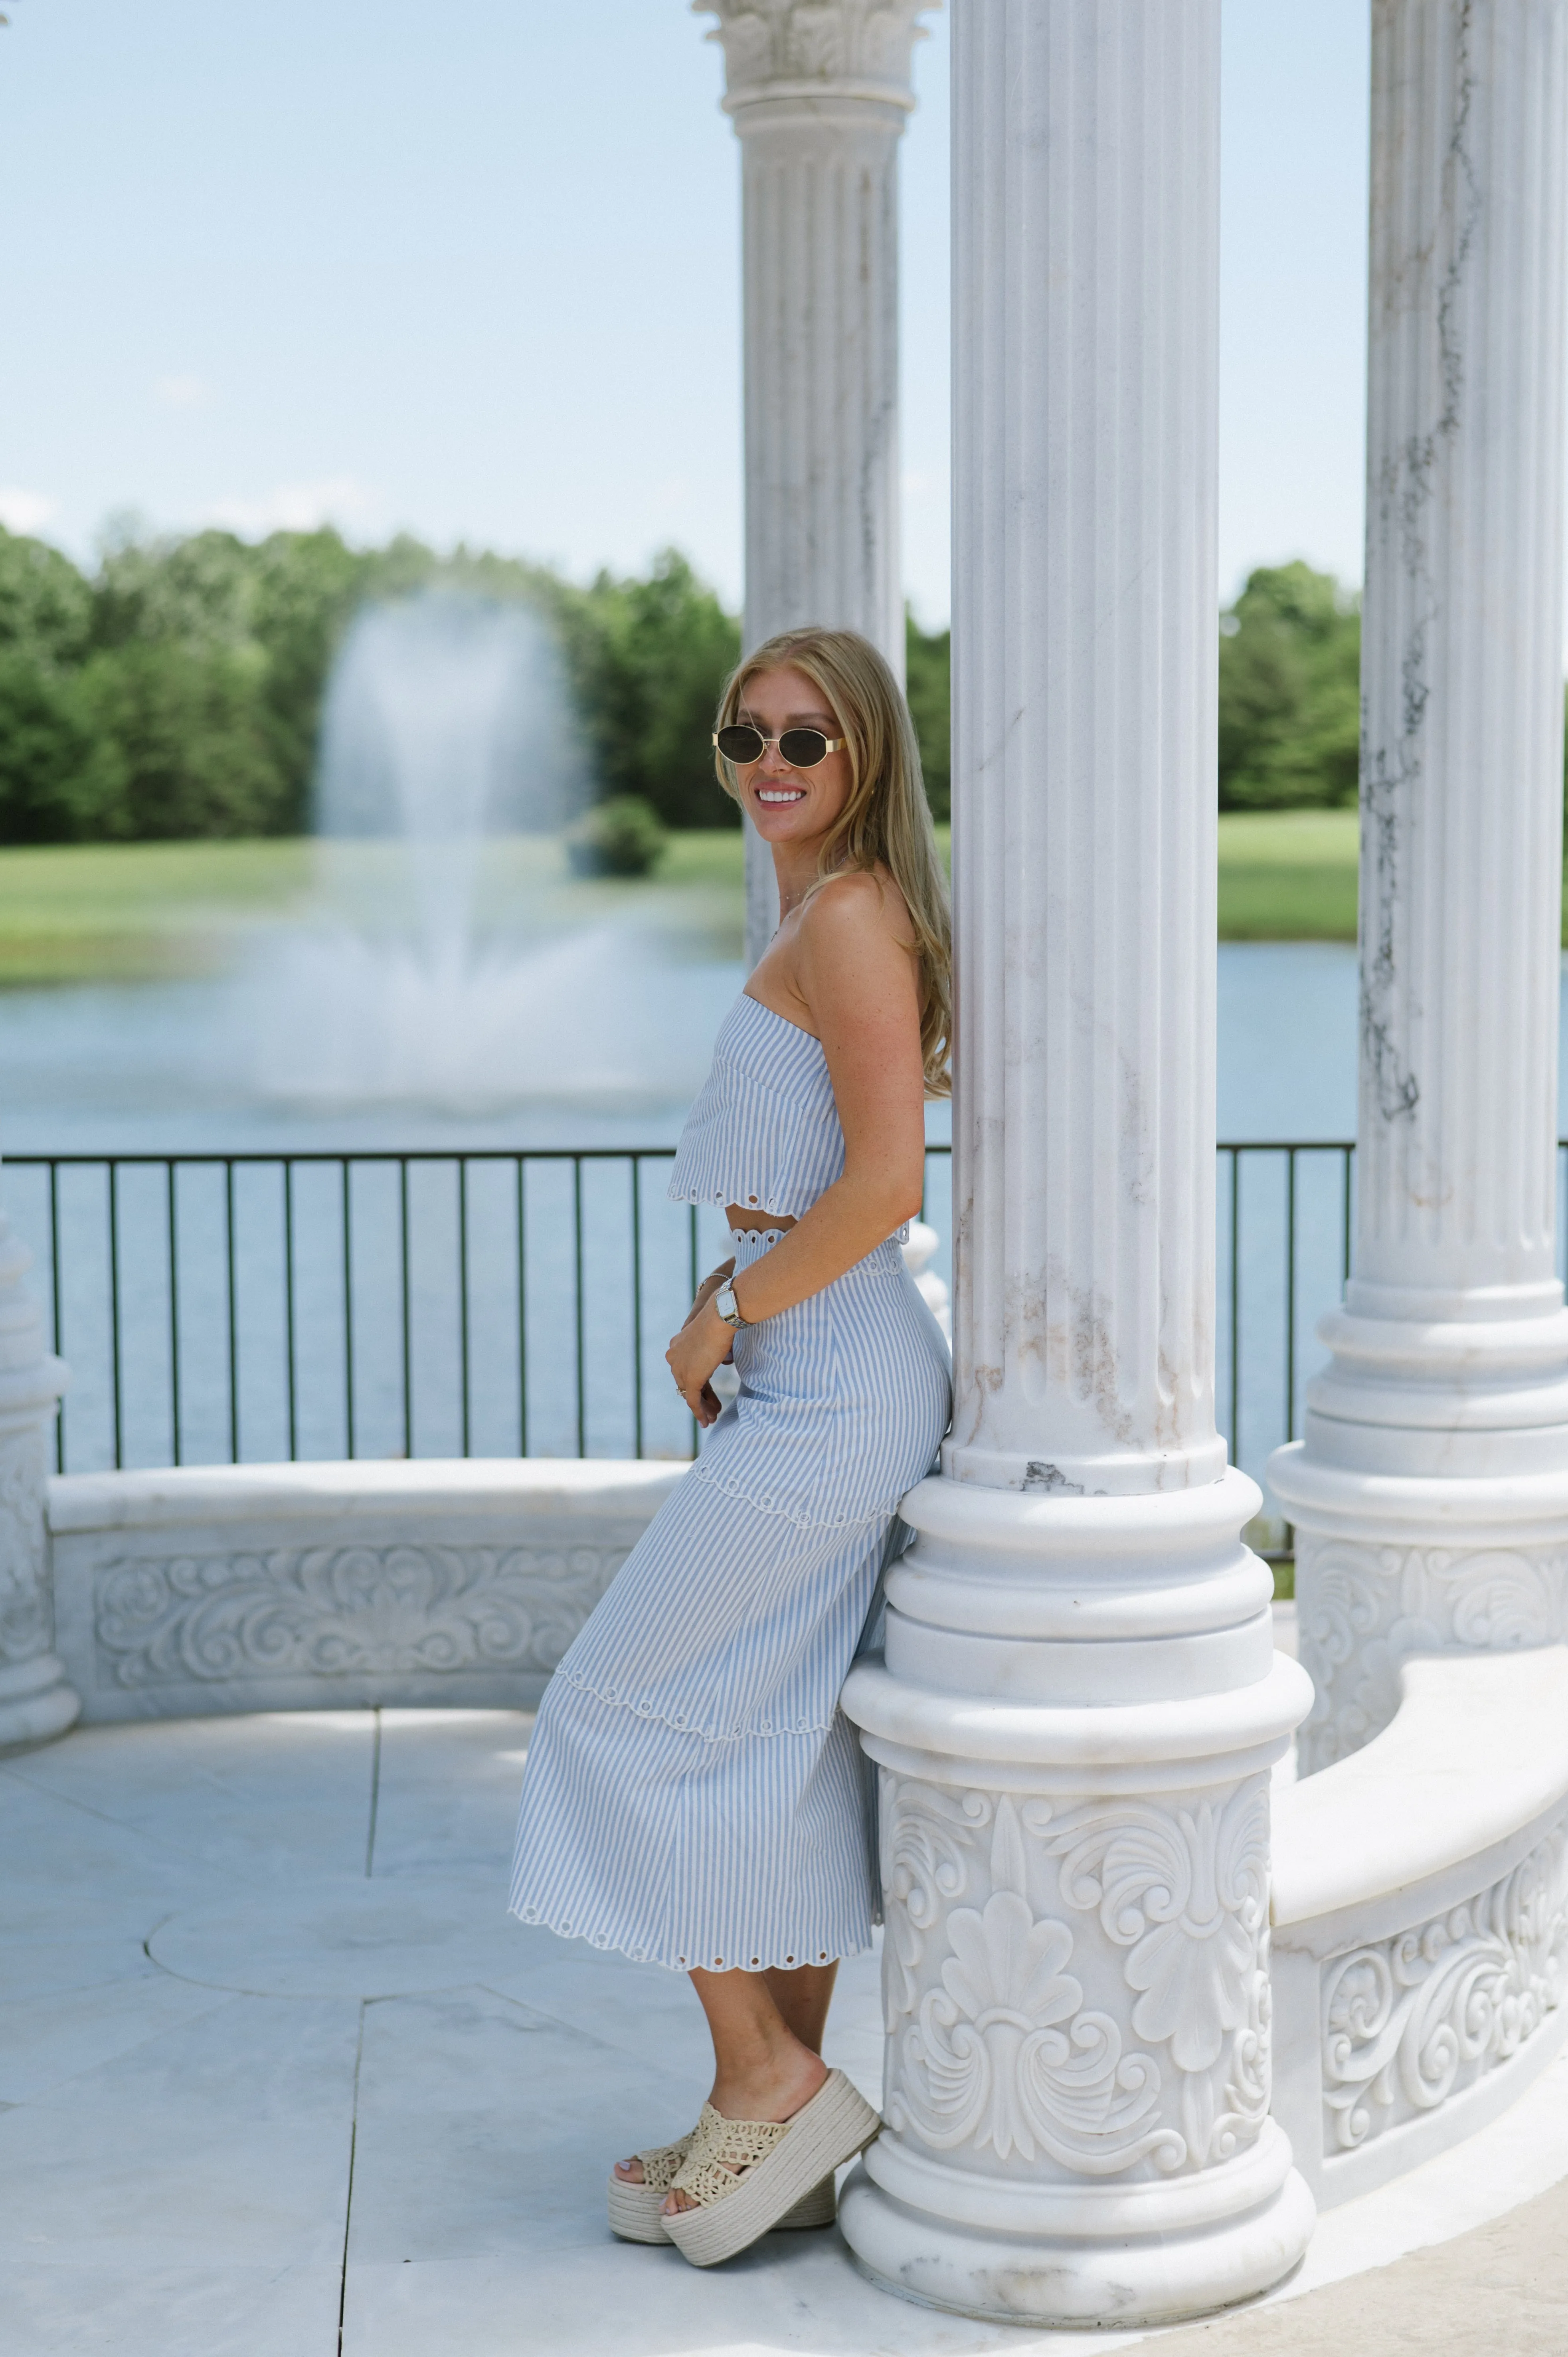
[694, 1794]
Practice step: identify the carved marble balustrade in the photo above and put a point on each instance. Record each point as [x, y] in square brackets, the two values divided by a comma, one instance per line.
[1421, 1921]
[237, 1588]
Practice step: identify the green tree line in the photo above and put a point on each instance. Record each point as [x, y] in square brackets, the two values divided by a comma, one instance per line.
[177, 690]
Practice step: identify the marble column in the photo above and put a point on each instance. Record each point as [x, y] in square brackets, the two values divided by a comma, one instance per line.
[819, 92]
[35, 1700]
[1080, 1700]
[1430, 1495]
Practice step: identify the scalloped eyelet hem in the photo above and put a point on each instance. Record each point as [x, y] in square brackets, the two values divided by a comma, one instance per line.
[802, 1952]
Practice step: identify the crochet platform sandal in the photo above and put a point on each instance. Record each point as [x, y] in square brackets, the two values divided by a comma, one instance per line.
[745, 2176]
[634, 2209]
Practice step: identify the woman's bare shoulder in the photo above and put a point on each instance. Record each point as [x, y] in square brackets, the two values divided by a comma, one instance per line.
[848, 907]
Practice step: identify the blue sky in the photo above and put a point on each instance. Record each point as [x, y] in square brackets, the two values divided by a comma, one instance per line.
[473, 270]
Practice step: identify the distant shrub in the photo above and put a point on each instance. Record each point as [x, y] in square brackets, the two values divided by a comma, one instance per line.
[621, 837]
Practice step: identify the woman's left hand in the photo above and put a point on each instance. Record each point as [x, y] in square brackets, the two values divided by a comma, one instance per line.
[703, 1343]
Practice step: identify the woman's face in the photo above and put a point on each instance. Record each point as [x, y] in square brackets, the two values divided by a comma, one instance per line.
[785, 805]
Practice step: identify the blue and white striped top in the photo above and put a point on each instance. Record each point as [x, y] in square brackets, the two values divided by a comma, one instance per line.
[765, 1130]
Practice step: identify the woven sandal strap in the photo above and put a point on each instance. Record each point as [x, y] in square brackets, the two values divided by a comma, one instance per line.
[660, 2165]
[722, 2151]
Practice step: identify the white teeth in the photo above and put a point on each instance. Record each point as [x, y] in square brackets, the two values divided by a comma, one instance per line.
[796, 795]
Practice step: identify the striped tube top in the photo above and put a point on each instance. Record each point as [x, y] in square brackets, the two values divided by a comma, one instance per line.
[764, 1131]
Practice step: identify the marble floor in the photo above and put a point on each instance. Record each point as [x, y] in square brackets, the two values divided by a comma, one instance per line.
[279, 2078]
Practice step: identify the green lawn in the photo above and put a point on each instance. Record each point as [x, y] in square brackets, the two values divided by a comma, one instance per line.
[88, 912]
[1288, 876]
[133, 911]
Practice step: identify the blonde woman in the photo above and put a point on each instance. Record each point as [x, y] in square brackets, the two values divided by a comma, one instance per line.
[695, 1795]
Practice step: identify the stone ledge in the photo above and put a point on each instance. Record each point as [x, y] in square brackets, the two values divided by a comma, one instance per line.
[172, 1498]
[1358, 1841]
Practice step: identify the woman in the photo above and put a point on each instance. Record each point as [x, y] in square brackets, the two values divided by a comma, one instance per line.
[695, 1795]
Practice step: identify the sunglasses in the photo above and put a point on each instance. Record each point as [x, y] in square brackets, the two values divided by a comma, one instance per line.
[802, 747]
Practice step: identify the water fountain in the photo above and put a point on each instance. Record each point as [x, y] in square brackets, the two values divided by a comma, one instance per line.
[453, 965]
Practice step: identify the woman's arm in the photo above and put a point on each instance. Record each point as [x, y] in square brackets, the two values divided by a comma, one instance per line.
[856, 974]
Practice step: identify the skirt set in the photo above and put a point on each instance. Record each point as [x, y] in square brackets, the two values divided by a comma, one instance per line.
[694, 1794]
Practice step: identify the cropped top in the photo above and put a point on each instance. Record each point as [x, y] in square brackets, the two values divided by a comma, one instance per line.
[764, 1131]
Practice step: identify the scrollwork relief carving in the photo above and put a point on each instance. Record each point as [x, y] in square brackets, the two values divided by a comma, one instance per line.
[1185, 1893]
[341, 1610]
[928, 1838]
[1364, 1610]
[1003, 2055]
[1010, 2031]
[1409, 2021]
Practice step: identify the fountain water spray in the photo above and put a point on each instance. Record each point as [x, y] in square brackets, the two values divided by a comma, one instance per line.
[448, 731]
[446, 722]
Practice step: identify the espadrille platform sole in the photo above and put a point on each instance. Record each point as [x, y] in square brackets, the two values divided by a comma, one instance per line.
[781, 2162]
[635, 2210]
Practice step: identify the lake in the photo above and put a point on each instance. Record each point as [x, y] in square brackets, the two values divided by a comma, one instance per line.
[624, 1025]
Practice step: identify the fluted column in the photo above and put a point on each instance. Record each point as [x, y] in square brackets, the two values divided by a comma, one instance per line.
[1081, 1698]
[35, 1700]
[1430, 1493]
[818, 90]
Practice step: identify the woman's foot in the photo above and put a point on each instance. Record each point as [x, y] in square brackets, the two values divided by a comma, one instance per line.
[774, 2092]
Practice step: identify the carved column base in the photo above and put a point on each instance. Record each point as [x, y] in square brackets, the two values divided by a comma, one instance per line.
[1074, 1726]
[1139, 2254]
[36, 1702]
[1389, 1565]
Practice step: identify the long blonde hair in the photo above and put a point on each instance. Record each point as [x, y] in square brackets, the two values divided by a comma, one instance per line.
[886, 819]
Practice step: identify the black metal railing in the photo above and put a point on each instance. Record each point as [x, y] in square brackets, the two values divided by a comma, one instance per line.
[1286, 1213]
[221, 1307]
[248, 1308]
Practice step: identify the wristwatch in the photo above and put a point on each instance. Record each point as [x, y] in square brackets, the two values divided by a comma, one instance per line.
[726, 1305]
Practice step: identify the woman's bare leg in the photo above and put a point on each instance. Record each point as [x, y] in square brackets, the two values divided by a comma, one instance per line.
[768, 2038]
[762, 2070]
[803, 1994]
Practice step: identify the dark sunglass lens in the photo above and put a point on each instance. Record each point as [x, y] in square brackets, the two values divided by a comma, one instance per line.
[739, 744]
[803, 748]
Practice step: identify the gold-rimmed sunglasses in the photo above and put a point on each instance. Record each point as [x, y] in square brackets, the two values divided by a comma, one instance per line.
[802, 747]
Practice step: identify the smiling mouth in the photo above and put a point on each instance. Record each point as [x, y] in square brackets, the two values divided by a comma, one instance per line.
[780, 793]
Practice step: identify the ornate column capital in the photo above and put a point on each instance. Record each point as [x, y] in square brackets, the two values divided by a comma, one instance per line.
[816, 50]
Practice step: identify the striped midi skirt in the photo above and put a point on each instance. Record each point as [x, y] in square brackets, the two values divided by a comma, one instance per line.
[693, 1794]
